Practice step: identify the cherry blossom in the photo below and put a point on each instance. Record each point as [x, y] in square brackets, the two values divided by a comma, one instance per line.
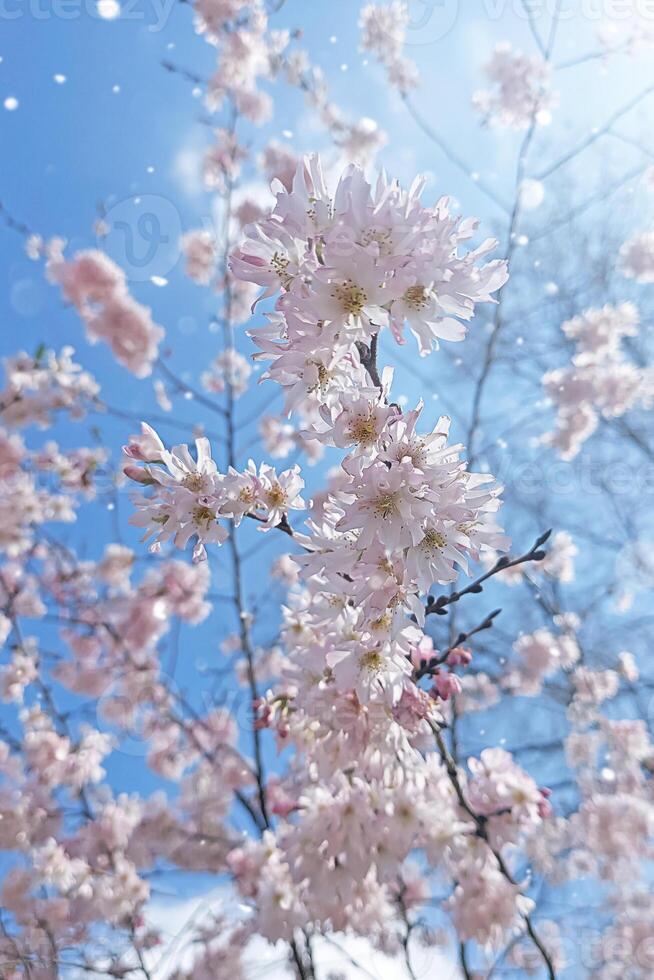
[199, 247]
[303, 690]
[383, 30]
[521, 89]
[97, 288]
[637, 258]
[600, 381]
[228, 369]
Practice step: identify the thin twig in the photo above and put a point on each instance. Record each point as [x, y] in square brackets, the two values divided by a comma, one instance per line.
[595, 134]
[437, 605]
[428, 130]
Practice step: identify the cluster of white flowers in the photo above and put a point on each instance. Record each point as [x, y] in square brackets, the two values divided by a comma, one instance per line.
[229, 369]
[405, 512]
[189, 497]
[200, 248]
[521, 89]
[540, 655]
[352, 264]
[360, 685]
[600, 381]
[248, 53]
[636, 259]
[401, 513]
[37, 386]
[383, 33]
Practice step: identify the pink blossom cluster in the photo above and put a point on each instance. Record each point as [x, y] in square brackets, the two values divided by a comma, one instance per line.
[368, 820]
[41, 486]
[222, 161]
[278, 162]
[69, 876]
[77, 887]
[400, 514]
[374, 822]
[600, 381]
[40, 385]
[354, 263]
[189, 497]
[405, 511]
[539, 655]
[280, 438]
[248, 53]
[200, 249]
[76, 470]
[229, 369]
[610, 832]
[520, 90]
[636, 258]
[383, 33]
[97, 288]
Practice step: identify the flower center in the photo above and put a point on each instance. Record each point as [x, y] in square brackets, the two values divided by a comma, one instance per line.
[371, 662]
[433, 541]
[467, 526]
[351, 297]
[194, 482]
[362, 429]
[275, 497]
[386, 504]
[203, 515]
[324, 376]
[415, 450]
[279, 265]
[416, 297]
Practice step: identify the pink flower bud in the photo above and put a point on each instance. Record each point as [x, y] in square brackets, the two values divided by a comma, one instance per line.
[446, 685]
[140, 474]
[134, 452]
[146, 447]
[459, 657]
[545, 807]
